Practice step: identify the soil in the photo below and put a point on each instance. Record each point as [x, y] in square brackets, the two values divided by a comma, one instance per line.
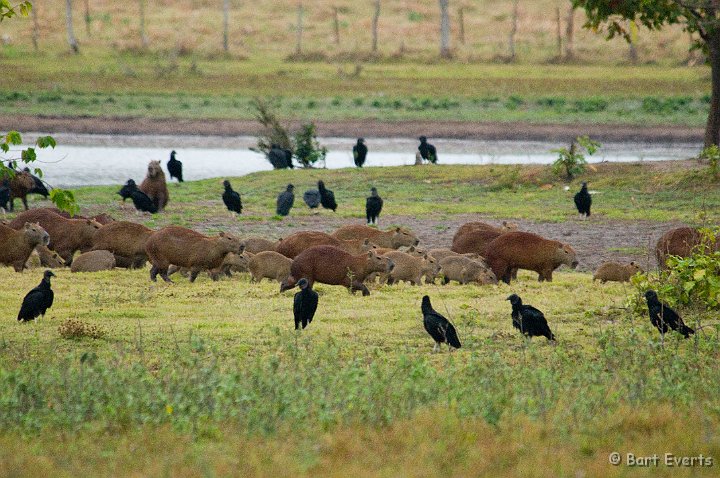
[371, 128]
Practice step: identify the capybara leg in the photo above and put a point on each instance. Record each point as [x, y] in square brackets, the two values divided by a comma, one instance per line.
[153, 273]
[164, 275]
[513, 274]
[359, 286]
[172, 269]
[24, 201]
[18, 266]
[12, 204]
[446, 280]
[194, 273]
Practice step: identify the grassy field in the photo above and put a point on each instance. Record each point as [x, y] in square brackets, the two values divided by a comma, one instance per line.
[210, 379]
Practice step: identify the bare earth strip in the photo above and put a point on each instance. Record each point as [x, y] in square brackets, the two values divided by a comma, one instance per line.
[354, 128]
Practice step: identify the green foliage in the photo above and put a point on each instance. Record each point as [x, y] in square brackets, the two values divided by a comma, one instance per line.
[7, 10]
[308, 150]
[571, 161]
[64, 199]
[711, 154]
[274, 132]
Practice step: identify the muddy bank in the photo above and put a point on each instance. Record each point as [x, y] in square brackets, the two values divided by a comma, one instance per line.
[355, 128]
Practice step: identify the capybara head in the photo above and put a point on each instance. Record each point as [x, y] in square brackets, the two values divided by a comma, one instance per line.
[431, 267]
[566, 255]
[230, 243]
[367, 245]
[633, 268]
[36, 234]
[403, 237]
[379, 263]
[154, 169]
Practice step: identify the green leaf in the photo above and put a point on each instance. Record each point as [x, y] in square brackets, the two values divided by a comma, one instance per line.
[28, 155]
[699, 274]
[688, 286]
[14, 138]
[45, 141]
[64, 200]
[5, 148]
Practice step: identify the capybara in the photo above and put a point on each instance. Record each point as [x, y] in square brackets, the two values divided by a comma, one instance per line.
[475, 226]
[93, 261]
[101, 218]
[525, 250]
[464, 269]
[270, 264]
[332, 265]
[20, 185]
[411, 268]
[393, 238]
[232, 263]
[17, 245]
[155, 186]
[66, 235]
[682, 242]
[616, 272]
[294, 244]
[49, 258]
[187, 248]
[126, 240]
[255, 244]
[441, 253]
[475, 241]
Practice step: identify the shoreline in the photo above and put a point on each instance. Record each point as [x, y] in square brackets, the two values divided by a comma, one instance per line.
[354, 128]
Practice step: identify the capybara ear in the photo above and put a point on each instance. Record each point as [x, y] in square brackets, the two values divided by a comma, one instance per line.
[89, 221]
[632, 263]
[222, 234]
[397, 229]
[370, 253]
[425, 256]
[411, 249]
[242, 248]
[366, 241]
[27, 225]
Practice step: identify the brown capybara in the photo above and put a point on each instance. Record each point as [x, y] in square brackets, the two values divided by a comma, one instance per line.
[187, 248]
[478, 272]
[20, 186]
[269, 264]
[66, 235]
[17, 245]
[94, 261]
[393, 238]
[616, 272]
[101, 218]
[235, 263]
[475, 226]
[254, 244]
[441, 253]
[411, 268]
[475, 241]
[294, 244]
[332, 265]
[681, 242]
[155, 186]
[126, 240]
[460, 267]
[412, 250]
[49, 258]
[525, 250]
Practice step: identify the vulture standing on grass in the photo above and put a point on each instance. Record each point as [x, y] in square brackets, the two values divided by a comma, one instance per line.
[529, 320]
[373, 206]
[231, 198]
[305, 304]
[360, 152]
[39, 187]
[583, 201]
[38, 300]
[280, 158]
[312, 198]
[427, 150]
[439, 328]
[141, 200]
[127, 190]
[662, 316]
[327, 197]
[175, 167]
[285, 201]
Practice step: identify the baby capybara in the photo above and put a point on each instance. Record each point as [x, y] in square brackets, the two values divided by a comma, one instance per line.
[94, 261]
[155, 186]
[294, 244]
[393, 238]
[254, 244]
[66, 235]
[17, 245]
[525, 250]
[332, 265]
[187, 248]
[126, 240]
[682, 242]
[49, 258]
[269, 264]
[616, 272]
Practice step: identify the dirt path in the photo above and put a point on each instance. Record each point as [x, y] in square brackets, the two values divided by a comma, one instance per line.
[354, 128]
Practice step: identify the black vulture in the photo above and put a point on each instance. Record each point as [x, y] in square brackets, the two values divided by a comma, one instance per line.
[373, 206]
[39, 187]
[327, 197]
[427, 150]
[312, 198]
[127, 190]
[583, 201]
[4, 195]
[175, 167]
[439, 328]
[662, 316]
[280, 158]
[231, 198]
[285, 201]
[38, 300]
[360, 152]
[529, 320]
[305, 304]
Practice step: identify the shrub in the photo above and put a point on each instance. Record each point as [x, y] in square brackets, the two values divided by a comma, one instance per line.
[274, 132]
[307, 148]
[712, 155]
[73, 329]
[571, 161]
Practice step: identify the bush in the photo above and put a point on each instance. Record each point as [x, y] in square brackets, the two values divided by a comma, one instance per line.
[571, 161]
[712, 155]
[307, 148]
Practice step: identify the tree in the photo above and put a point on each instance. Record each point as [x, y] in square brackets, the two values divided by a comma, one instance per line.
[695, 16]
[143, 35]
[445, 28]
[72, 41]
[375, 20]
